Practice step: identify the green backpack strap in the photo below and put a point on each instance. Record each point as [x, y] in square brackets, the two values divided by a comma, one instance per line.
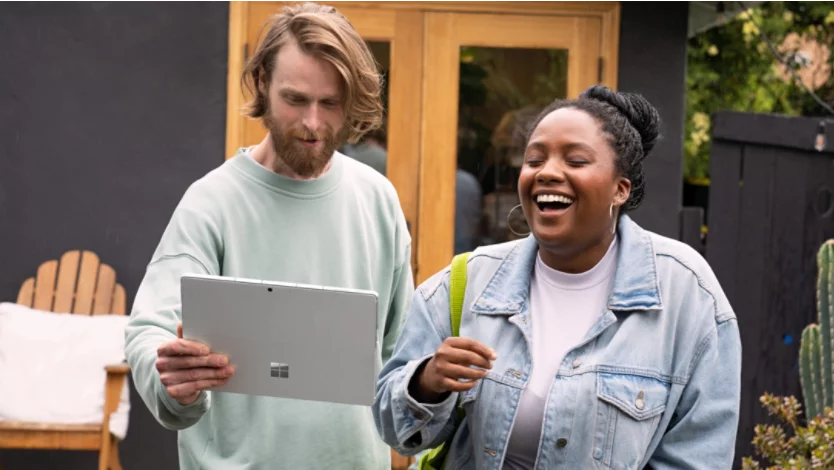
[435, 458]
[457, 290]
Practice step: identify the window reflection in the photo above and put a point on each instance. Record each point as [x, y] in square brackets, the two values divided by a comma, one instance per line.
[372, 149]
[502, 90]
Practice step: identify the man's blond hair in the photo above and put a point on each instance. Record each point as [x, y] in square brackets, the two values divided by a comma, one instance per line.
[322, 32]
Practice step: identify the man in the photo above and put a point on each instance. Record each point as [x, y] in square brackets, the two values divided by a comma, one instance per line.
[289, 209]
[370, 151]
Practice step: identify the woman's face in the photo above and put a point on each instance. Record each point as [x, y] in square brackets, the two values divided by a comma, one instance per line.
[568, 182]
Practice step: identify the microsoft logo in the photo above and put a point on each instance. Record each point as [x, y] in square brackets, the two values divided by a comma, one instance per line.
[279, 370]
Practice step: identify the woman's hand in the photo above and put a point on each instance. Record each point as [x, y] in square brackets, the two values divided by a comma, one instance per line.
[456, 358]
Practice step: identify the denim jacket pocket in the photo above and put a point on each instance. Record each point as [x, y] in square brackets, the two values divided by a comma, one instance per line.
[629, 408]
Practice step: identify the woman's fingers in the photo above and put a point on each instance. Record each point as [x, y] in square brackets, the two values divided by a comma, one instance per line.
[454, 372]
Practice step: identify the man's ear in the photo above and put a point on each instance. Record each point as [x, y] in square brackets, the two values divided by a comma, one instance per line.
[262, 80]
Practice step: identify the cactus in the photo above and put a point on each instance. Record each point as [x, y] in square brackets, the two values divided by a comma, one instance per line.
[816, 351]
[809, 369]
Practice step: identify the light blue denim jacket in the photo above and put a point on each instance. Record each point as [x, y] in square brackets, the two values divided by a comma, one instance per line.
[654, 384]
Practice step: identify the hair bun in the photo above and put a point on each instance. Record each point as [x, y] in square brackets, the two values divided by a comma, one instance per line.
[639, 112]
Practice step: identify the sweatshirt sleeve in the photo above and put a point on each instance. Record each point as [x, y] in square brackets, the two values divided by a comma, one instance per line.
[189, 244]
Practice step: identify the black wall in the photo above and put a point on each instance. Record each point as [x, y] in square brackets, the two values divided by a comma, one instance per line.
[653, 63]
[107, 113]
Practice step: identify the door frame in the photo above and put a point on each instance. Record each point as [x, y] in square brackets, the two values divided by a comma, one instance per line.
[408, 172]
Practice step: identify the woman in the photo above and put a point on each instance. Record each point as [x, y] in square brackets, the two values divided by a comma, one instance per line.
[592, 343]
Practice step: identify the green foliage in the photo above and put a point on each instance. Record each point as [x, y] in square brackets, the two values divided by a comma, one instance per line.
[790, 445]
[732, 68]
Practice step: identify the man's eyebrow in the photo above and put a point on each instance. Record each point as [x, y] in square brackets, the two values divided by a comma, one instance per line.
[292, 91]
[289, 91]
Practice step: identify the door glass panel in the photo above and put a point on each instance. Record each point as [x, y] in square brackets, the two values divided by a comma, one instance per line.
[372, 149]
[502, 90]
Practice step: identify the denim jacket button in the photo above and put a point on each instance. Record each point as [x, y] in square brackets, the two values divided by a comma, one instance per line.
[640, 403]
[561, 442]
[576, 363]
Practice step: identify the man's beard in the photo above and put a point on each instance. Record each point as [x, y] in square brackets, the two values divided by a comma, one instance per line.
[304, 162]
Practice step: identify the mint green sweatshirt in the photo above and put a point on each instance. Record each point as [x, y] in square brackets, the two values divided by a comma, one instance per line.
[344, 229]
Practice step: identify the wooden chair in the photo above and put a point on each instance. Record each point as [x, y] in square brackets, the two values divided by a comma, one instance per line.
[81, 285]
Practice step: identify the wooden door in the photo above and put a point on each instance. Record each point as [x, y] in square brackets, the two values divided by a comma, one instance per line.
[487, 75]
[395, 37]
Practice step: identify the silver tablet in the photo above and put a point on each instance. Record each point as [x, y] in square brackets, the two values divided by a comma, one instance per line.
[287, 340]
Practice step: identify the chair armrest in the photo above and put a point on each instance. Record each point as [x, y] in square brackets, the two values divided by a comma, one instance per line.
[113, 386]
[120, 369]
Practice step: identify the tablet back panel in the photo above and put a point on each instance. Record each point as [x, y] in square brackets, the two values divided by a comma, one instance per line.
[287, 340]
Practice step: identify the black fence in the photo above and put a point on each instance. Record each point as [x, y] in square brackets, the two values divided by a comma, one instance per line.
[771, 206]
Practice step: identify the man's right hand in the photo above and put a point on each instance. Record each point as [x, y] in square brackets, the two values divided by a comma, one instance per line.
[453, 361]
[188, 367]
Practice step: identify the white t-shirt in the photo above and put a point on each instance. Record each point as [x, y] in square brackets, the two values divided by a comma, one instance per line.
[563, 307]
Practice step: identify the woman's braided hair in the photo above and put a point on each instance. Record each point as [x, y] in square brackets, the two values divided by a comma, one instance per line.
[631, 124]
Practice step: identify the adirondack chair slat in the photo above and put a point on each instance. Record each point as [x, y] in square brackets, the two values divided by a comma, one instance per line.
[103, 299]
[119, 300]
[27, 292]
[67, 275]
[87, 277]
[45, 285]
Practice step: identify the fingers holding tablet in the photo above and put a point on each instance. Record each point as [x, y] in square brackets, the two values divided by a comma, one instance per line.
[187, 367]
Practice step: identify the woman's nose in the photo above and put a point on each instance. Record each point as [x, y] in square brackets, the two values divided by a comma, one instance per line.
[551, 172]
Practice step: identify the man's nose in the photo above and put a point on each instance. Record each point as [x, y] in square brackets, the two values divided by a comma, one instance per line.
[312, 118]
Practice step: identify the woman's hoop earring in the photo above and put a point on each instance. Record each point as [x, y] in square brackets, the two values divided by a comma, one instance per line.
[510, 226]
[611, 214]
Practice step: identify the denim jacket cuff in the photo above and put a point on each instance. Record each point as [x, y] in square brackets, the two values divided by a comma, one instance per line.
[419, 415]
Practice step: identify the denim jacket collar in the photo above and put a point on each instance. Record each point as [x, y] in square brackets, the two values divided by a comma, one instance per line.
[635, 279]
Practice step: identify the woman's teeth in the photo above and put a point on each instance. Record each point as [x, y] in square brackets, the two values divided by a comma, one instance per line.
[541, 198]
